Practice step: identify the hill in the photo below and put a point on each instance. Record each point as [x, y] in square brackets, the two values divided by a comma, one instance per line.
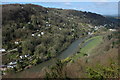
[33, 34]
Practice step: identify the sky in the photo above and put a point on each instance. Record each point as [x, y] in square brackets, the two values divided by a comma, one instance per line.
[59, 0]
[103, 7]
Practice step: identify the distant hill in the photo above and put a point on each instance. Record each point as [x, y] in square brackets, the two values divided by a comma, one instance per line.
[114, 19]
[23, 13]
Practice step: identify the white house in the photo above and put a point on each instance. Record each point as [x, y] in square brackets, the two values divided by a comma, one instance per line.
[90, 33]
[10, 66]
[72, 29]
[49, 25]
[60, 29]
[46, 22]
[27, 56]
[23, 27]
[96, 28]
[28, 22]
[39, 35]
[63, 24]
[112, 29]
[12, 63]
[3, 68]
[42, 33]
[16, 42]
[33, 34]
[21, 57]
[2, 50]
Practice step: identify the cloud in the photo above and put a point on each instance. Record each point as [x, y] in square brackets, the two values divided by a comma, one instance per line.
[67, 3]
[78, 8]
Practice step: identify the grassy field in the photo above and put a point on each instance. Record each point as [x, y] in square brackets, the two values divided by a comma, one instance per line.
[94, 41]
[91, 44]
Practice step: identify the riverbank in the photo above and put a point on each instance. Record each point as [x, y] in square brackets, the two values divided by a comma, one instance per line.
[68, 52]
[86, 47]
[90, 44]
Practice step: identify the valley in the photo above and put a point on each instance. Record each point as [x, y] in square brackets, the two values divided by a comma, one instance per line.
[40, 42]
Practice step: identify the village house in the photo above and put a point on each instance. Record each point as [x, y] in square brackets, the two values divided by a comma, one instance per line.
[27, 55]
[46, 22]
[72, 29]
[22, 7]
[9, 66]
[2, 50]
[63, 24]
[13, 63]
[24, 56]
[28, 22]
[60, 29]
[96, 28]
[3, 68]
[16, 42]
[49, 25]
[42, 33]
[33, 34]
[23, 27]
[90, 33]
[112, 29]
[39, 35]
[21, 57]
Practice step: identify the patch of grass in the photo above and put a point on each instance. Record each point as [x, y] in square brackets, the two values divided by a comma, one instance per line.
[91, 44]
[77, 56]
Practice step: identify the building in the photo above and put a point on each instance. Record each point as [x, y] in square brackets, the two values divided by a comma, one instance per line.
[12, 63]
[42, 33]
[3, 68]
[39, 35]
[16, 42]
[2, 50]
[112, 29]
[33, 34]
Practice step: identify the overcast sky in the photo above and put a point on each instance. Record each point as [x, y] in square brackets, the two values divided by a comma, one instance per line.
[104, 7]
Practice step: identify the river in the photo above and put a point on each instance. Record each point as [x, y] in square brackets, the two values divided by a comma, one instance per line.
[72, 49]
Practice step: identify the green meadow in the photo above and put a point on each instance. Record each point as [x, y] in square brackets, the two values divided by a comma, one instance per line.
[91, 43]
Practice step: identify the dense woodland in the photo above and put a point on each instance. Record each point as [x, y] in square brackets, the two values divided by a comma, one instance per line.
[42, 33]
